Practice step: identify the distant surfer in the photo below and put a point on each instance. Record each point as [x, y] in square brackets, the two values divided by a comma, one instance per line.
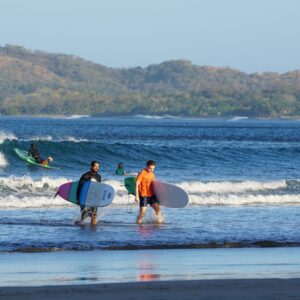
[34, 152]
[91, 175]
[144, 192]
[120, 171]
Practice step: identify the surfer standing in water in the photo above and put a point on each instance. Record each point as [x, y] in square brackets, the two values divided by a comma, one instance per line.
[120, 171]
[144, 192]
[34, 152]
[91, 175]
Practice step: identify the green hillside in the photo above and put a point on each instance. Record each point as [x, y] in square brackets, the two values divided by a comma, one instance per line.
[36, 82]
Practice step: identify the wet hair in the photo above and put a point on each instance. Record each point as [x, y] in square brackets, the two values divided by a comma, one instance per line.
[32, 145]
[94, 162]
[150, 163]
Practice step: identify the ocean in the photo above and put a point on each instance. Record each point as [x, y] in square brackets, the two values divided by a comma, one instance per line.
[242, 175]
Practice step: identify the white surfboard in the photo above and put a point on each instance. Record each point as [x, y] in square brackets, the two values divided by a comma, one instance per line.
[98, 194]
[170, 195]
[92, 194]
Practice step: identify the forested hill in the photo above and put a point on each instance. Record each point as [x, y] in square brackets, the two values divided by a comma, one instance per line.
[36, 82]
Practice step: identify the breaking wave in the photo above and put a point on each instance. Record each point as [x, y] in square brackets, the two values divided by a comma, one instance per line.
[25, 191]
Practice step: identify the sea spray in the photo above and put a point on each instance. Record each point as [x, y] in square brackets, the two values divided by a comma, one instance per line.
[6, 136]
[3, 161]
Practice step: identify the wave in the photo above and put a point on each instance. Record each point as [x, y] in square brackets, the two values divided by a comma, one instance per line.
[25, 191]
[243, 193]
[50, 138]
[249, 199]
[155, 117]
[235, 119]
[231, 187]
[77, 117]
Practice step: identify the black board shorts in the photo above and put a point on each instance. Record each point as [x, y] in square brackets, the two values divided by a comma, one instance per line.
[148, 200]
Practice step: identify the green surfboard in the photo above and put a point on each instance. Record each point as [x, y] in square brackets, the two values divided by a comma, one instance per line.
[129, 183]
[23, 155]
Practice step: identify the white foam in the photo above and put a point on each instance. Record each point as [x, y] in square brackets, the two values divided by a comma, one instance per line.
[73, 139]
[35, 185]
[155, 117]
[198, 187]
[6, 136]
[12, 201]
[3, 161]
[233, 199]
[40, 138]
[77, 117]
[52, 139]
[235, 119]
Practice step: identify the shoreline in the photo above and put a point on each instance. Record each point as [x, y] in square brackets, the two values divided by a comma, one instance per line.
[259, 289]
[147, 116]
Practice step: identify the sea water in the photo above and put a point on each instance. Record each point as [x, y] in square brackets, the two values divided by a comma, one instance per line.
[242, 175]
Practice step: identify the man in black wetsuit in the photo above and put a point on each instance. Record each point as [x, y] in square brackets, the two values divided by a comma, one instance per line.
[34, 152]
[91, 175]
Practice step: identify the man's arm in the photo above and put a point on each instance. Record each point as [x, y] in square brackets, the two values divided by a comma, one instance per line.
[137, 183]
[137, 198]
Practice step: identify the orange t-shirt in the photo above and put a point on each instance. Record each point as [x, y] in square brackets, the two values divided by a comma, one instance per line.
[145, 180]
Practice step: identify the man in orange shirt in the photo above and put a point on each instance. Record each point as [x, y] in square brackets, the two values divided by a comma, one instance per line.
[144, 192]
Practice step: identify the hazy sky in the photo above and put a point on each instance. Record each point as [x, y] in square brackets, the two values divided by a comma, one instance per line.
[250, 35]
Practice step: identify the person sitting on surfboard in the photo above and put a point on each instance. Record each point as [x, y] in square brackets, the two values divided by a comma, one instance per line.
[120, 170]
[92, 175]
[34, 152]
[144, 192]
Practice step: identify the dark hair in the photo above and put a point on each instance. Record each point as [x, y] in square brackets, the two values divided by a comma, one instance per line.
[150, 163]
[94, 162]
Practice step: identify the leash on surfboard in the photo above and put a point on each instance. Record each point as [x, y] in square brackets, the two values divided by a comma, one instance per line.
[44, 213]
[129, 205]
[46, 210]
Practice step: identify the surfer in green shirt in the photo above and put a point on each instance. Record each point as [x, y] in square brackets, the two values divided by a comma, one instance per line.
[120, 170]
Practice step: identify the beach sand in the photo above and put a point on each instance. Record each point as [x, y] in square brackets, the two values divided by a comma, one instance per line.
[246, 289]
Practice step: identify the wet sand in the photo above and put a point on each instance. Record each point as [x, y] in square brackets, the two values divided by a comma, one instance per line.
[246, 289]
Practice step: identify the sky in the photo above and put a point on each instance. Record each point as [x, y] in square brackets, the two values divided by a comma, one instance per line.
[249, 35]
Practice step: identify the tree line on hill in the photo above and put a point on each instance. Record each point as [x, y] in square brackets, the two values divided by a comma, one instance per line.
[36, 82]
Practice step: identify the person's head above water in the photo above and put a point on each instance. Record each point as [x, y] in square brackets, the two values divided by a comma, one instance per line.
[120, 165]
[150, 166]
[95, 166]
[33, 146]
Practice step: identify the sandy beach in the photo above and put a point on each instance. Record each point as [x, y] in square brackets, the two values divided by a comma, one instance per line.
[195, 289]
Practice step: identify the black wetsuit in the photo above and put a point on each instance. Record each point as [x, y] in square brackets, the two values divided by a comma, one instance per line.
[86, 177]
[35, 154]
